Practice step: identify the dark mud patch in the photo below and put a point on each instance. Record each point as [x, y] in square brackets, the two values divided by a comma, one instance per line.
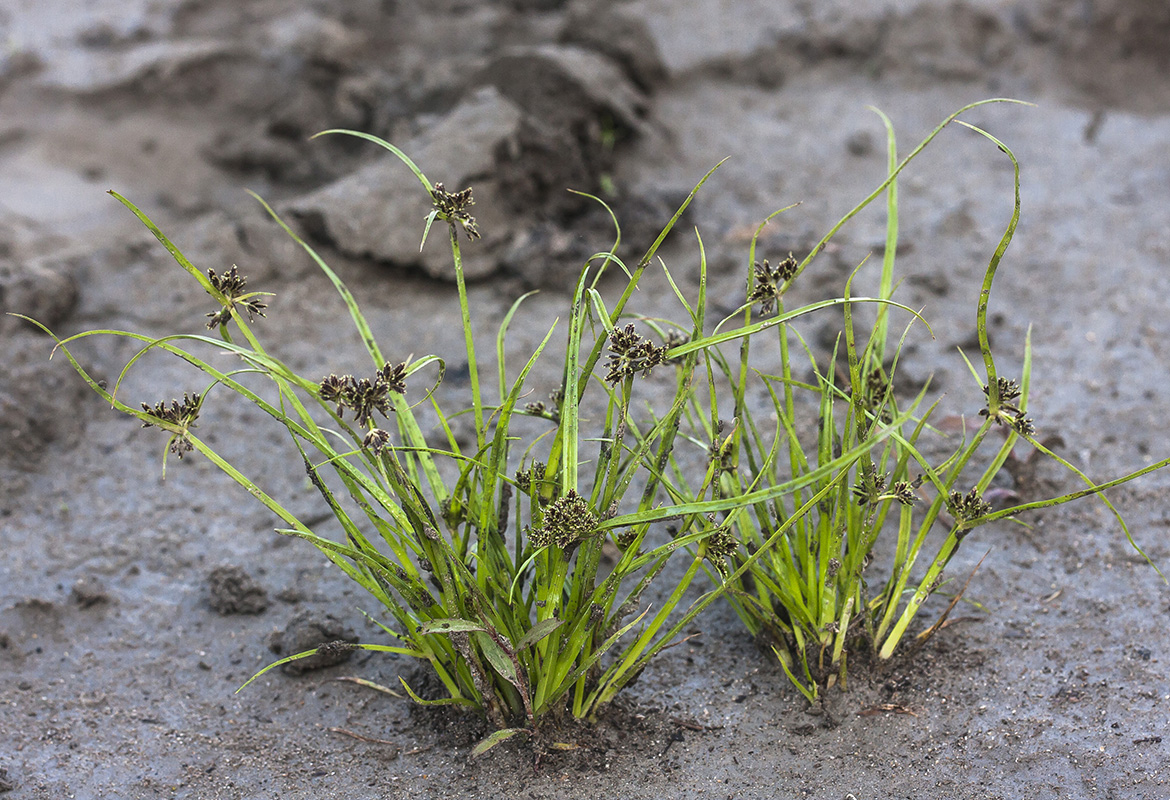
[35, 290]
[624, 731]
[28, 627]
[311, 630]
[1107, 48]
[232, 590]
[90, 591]
[37, 407]
[34, 404]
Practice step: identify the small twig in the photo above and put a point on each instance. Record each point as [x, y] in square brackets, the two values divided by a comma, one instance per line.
[681, 641]
[894, 708]
[369, 685]
[956, 620]
[694, 726]
[923, 637]
[360, 737]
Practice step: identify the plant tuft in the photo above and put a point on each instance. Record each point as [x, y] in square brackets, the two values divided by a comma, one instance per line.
[485, 559]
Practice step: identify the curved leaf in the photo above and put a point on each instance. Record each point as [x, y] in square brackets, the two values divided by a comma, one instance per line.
[494, 738]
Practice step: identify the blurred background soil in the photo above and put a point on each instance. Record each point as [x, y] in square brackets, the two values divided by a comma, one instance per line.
[131, 609]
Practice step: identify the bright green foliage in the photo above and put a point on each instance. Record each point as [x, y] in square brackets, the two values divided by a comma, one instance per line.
[810, 594]
[489, 563]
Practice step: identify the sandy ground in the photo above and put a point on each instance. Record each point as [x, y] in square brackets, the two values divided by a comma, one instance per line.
[117, 661]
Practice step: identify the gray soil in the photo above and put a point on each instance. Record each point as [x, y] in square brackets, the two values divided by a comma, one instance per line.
[132, 608]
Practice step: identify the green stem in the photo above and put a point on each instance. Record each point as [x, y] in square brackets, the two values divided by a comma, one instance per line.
[468, 340]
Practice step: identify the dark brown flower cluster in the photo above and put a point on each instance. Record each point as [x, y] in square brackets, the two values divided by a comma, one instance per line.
[870, 484]
[625, 540]
[768, 282]
[375, 440]
[181, 414]
[452, 207]
[549, 410]
[567, 521]
[871, 488]
[539, 409]
[721, 545]
[1009, 411]
[365, 395]
[675, 338]
[877, 388]
[966, 507]
[527, 477]
[903, 491]
[629, 354]
[232, 285]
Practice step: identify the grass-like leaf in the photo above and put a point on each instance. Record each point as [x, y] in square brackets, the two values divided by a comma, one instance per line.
[487, 563]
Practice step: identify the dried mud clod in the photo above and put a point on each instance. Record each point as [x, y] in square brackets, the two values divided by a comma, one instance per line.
[620, 36]
[310, 630]
[37, 404]
[89, 591]
[528, 123]
[570, 745]
[231, 590]
[45, 293]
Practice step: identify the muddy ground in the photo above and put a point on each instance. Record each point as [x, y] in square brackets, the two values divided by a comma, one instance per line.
[131, 609]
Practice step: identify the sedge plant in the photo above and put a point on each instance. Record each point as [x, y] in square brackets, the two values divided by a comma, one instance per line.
[812, 595]
[518, 569]
[487, 557]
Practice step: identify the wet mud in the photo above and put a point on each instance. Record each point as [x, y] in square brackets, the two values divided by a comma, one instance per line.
[131, 609]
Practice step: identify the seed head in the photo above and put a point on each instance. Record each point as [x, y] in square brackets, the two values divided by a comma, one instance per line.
[769, 283]
[369, 396]
[567, 520]
[877, 387]
[721, 545]
[629, 354]
[1009, 412]
[870, 484]
[375, 440]
[541, 409]
[452, 207]
[394, 376]
[232, 285]
[181, 414]
[1008, 389]
[364, 395]
[674, 338]
[625, 539]
[966, 507]
[1023, 425]
[335, 390]
[903, 492]
[534, 474]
